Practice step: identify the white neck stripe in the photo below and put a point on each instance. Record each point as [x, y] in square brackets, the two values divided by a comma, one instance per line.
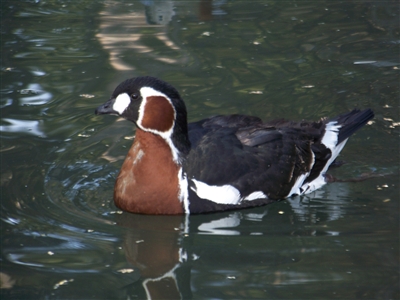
[147, 92]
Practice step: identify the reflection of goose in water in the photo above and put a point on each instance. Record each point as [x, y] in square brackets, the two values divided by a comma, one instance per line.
[168, 251]
[153, 244]
[158, 11]
[125, 30]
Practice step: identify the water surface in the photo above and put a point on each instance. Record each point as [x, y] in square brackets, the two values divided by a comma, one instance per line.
[63, 238]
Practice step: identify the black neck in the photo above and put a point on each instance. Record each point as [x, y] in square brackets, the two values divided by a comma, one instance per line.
[180, 136]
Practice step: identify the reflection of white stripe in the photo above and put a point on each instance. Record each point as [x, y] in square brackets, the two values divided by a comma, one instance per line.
[170, 274]
[221, 226]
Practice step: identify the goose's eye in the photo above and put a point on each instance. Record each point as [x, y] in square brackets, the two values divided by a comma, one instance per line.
[135, 96]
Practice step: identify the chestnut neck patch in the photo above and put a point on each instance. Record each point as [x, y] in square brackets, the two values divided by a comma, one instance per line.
[158, 114]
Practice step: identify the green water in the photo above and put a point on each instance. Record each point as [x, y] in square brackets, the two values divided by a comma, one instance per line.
[63, 238]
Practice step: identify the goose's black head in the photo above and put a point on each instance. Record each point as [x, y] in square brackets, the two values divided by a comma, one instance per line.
[154, 106]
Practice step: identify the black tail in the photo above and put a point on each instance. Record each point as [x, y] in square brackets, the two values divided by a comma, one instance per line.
[352, 121]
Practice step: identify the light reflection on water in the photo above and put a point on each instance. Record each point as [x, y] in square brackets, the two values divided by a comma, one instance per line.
[62, 237]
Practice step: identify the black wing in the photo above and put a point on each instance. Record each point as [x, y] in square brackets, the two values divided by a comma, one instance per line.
[251, 155]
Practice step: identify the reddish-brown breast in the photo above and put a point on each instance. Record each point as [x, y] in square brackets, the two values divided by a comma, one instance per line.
[148, 180]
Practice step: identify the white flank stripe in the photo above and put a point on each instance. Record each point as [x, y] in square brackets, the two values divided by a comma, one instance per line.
[225, 194]
[256, 195]
[121, 103]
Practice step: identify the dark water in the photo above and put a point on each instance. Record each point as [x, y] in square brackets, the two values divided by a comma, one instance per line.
[63, 238]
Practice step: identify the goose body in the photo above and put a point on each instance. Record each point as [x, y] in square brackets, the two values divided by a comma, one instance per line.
[219, 163]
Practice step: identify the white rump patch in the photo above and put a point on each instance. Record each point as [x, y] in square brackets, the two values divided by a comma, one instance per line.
[298, 185]
[121, 103]
[225, 194]
[330, 140]
[320, 180]
[331, 134]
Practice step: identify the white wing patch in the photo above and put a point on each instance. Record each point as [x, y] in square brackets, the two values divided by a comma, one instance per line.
[121, 103]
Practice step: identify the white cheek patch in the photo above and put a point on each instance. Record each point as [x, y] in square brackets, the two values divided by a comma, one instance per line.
[121, 103]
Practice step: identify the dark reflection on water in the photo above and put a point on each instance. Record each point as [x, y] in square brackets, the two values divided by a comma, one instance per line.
[61, 235]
